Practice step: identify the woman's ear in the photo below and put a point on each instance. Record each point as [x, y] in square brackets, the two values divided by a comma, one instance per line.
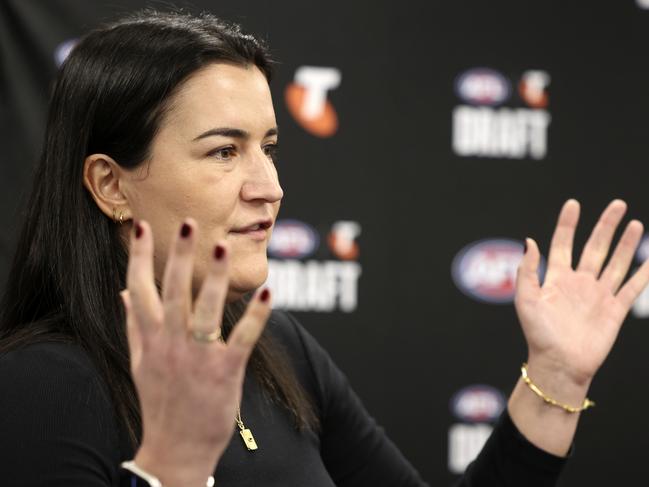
[101, 177]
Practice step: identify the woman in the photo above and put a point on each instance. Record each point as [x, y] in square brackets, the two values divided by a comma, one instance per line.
[163, 125]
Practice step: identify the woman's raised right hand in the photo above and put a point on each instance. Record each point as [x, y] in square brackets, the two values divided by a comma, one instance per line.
[189, 389]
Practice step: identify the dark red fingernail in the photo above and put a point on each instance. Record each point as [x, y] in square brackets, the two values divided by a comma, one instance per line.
[219, 252]
[265, 294]
[185, 230]
[524, 246]
[138, 230]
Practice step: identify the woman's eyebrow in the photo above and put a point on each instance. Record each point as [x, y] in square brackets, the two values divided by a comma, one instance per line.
[232, 132]
[224, 132]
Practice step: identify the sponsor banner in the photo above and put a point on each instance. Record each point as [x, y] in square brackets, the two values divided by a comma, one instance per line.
[532, 88]
[306, 99]
[464, 444]
[319, 286]
[476, 406]
[640, 308]
[63, 50]
[642, 252]
[506, 133]
[486, 270]
[301, 281]
[482, 86]
[483, 127]
[342, 240]
[293, 239]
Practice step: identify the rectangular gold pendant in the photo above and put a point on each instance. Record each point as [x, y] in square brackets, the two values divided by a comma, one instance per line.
[248, 439]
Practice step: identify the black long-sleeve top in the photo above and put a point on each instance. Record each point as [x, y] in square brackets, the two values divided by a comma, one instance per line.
[58, 428]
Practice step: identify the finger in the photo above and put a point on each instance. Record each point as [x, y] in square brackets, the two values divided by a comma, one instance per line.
[618, 266]
[247, 331]
[132, 333]
[208, 310]
[634, 286]
[560, 255]
[527, 280]
[177, 282]
[599, 242]
[143, 294]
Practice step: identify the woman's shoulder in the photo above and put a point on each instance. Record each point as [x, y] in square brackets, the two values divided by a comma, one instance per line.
[51, 376]
[55, 407]
[285, 329]
[281, 324]
[44, 361]
[311, 361]
[52, 389]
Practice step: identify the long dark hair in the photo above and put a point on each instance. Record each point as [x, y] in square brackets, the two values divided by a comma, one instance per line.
[70, 263]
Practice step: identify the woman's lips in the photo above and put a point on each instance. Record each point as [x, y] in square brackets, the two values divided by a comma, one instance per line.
[258, 234]
[256, 231]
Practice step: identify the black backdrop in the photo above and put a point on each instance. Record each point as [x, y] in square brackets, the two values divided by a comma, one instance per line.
[379, 206]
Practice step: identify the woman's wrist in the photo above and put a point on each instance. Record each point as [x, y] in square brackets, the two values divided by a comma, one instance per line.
[558, 381]
[562, 368]
[174, 472]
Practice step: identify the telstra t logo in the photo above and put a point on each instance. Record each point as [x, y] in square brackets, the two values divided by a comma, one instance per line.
[306, 99]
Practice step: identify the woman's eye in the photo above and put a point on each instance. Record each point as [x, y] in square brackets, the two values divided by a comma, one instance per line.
[271, 151]
[223, 154]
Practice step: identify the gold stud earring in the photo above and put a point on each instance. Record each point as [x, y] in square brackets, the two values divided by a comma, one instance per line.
[116, 218]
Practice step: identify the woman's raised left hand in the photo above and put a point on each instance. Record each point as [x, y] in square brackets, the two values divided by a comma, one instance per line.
[571, 321]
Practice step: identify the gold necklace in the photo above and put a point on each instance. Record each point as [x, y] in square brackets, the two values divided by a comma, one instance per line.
[245, 433]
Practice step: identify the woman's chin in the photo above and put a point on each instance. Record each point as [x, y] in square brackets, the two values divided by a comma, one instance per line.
[245, 279]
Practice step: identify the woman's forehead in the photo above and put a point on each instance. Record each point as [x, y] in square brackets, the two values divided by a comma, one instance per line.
[224, 95]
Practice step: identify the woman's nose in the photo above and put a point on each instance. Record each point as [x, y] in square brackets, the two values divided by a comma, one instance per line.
[262, 182]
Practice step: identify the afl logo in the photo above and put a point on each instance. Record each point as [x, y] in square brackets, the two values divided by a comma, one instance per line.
[292, 239]
[482, 86]
[486, 270]
[643, 250]
[477, 404]
[63, 50]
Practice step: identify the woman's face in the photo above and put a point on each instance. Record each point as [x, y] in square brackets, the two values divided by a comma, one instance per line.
[212, 160]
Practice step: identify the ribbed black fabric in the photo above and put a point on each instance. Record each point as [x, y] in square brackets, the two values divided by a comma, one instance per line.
[57, 429]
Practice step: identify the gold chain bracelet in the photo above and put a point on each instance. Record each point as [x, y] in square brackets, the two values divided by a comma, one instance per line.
[570, 409]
